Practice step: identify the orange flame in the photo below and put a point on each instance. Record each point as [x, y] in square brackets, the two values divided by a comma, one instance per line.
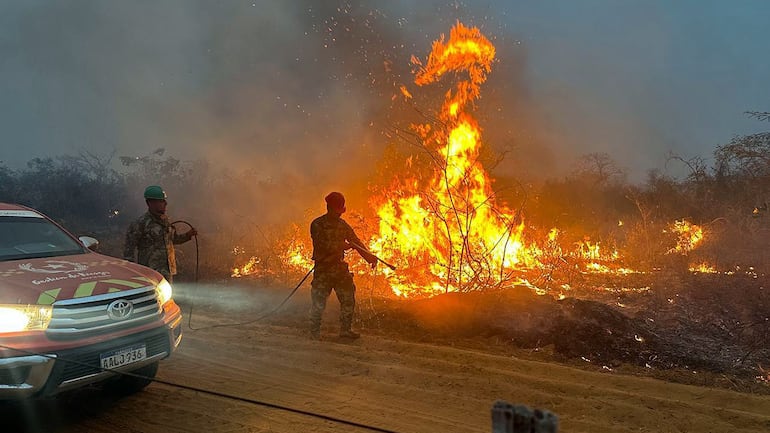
[688, 236]
[444, 229]
[703, 268]
[251, 267]
[292, 252]
[406, 93]
[447, 233]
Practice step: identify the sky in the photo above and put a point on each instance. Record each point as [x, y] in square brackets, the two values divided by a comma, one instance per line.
[308, 90]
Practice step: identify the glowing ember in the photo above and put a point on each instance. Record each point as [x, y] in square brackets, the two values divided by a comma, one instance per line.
[589, 250]
[253, 266]
[703, 268]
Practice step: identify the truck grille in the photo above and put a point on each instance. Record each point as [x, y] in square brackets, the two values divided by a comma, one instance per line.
[81, 363]
[74, 318]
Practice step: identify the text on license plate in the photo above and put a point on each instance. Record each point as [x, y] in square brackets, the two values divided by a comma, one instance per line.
[124, 356]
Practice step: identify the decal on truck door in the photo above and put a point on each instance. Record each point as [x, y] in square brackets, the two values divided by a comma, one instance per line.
[54, 267]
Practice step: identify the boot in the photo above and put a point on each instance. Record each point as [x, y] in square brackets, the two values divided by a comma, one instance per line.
[347, 333]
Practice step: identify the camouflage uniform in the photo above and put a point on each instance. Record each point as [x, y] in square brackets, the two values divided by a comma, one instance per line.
[329, 234]
[154, 238]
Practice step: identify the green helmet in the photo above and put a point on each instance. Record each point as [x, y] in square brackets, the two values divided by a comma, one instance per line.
[154, 192]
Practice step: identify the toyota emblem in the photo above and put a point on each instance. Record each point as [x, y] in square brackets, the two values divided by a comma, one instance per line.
[120, 309]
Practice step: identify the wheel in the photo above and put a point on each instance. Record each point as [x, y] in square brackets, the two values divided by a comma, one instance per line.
[126, 385]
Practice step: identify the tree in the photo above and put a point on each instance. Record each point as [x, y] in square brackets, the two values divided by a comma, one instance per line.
[7, 184]
[746, 156]
[599, 169]
[761, 115]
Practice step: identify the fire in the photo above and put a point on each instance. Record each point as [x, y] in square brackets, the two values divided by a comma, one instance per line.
[703, 268]
[251, 267]
[448, 233]
[292, 252]
[688, 236]
[444, 228]
[589, 250]
[405, 92]
[298, 255]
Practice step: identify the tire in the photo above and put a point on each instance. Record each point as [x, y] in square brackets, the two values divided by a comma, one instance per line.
[127, 385]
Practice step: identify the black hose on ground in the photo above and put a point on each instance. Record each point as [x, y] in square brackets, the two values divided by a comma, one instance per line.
[203, 390]
[269, 313]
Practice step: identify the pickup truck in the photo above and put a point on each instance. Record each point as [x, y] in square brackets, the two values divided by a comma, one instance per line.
[71, 317]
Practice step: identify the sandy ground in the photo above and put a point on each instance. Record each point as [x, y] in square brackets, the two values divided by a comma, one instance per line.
[376, 381]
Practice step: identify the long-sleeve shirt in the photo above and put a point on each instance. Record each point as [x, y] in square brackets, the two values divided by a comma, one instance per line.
[150, 242]
[331, 237]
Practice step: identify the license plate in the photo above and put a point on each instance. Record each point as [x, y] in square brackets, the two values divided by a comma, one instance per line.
[124, 356]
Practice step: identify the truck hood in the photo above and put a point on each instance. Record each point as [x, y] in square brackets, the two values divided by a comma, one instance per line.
[46, 280]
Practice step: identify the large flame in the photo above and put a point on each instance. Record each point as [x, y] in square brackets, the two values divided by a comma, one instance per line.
[449, 233]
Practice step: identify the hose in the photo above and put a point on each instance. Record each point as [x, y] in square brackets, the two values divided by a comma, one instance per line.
[196, 245]
[269, 313]
[205, 391]
[222, 325]
[197, 255]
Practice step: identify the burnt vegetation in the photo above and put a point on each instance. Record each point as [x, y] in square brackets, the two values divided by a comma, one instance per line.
[669, 315]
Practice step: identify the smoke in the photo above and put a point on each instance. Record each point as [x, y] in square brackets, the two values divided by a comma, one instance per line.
[286, 88]
[304, 95]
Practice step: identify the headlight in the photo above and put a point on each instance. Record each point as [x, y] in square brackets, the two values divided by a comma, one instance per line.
[163, 289]
[15, 318]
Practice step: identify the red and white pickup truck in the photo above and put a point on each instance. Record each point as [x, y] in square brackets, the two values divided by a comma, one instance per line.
[69, 316]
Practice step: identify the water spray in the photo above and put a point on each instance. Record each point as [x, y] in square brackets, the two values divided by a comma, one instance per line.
[197, 261]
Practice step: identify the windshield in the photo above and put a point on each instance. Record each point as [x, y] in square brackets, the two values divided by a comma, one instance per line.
[27, 238]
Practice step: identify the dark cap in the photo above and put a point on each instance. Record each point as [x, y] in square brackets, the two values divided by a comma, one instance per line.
[335, 200]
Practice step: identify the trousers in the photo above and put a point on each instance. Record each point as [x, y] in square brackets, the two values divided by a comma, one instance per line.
[321, 287]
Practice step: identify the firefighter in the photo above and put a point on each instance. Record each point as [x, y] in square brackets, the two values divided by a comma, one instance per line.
[331, 237]
[150, 239]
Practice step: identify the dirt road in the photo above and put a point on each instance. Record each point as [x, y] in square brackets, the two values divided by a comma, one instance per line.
[384, 383]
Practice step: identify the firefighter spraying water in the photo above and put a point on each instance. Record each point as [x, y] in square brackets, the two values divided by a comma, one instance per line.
[331, 237]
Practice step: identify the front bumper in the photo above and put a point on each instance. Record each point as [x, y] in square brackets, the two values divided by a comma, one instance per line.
[33, 375]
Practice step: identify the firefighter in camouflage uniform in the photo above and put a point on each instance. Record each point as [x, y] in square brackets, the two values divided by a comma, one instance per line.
[331, 237]
[150, 239]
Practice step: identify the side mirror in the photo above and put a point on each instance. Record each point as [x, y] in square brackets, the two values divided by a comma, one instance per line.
[89, 242]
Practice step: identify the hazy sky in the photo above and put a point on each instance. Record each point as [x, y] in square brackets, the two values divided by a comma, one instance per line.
[298, 89]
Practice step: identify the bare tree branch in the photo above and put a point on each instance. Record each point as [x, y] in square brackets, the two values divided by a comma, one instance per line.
[761, 115]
